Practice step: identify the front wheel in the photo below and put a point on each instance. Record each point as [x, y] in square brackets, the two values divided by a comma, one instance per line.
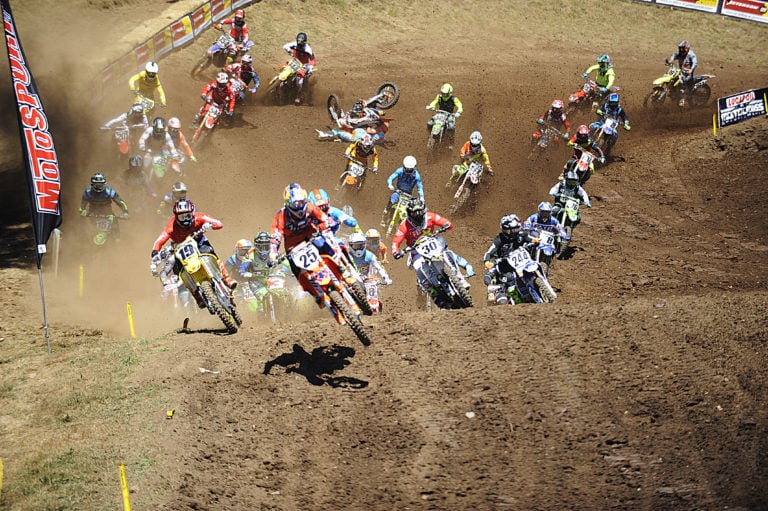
[357, 290]
[391, 94]
[462, 200]
[354, 323]
[700, 95]
[654, 99]
[333, 106]
[463, 299]
[545, 290]
[217, 308]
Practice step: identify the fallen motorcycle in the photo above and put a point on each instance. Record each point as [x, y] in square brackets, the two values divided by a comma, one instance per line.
[669, 87]
[387, 95]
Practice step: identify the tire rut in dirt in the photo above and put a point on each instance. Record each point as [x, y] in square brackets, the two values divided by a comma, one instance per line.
[212, 298]
[354, 323]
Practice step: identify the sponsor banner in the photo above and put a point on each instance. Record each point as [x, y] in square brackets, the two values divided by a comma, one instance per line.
[162, 43]
[742, 106]
[181, 32]
[747, 9]
[43, 175]
[242, 3]
[699, 5]
[220, 9]
[126, 65]
[201, 18]
[144, 53]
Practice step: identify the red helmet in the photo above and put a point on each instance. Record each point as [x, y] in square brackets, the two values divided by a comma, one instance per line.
[582, 133]
[683, 47]
[239, 17]
[184, 209]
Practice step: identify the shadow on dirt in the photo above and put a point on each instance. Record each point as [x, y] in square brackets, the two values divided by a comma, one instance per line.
[318, 366]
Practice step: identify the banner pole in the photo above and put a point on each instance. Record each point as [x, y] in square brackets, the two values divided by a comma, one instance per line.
[45, 313]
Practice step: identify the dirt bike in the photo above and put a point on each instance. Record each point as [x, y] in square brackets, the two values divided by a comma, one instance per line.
[155, 172]
[546, 136]
[567, 213]
[521, 279]
[585, 166]
[201, 275]
[102, 227]
[209, 121]
[283, 88]
[273, 294]
[544, 251]
[174, 291]
[469, 178]
[222, 52]
[438, 273]
[399, 210]
[587, 97]
[147, 104]
[353, 177]
[372, 293]
[670, 86]
[440, 121]
[607, 134]
[126, 138]
[321, 273]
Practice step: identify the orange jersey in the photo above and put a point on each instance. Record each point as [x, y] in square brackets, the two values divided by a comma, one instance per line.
[291, 231]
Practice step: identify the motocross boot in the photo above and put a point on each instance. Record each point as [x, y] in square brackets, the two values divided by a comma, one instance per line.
[384, 218]
[324, 135]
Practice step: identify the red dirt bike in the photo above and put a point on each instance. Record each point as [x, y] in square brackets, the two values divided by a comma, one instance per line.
[587, 97]
[126, 138]
[545, 137]
[209, 121]
[322, 274]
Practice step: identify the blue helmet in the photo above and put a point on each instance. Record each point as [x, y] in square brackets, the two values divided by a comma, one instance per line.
[320, 198]
[545, 210]
[613, 99]
[604, 60]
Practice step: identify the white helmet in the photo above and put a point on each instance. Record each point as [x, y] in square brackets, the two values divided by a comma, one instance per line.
[151, 69]
[409, 162]
[356, 244]
[475, 138]
[222, 78]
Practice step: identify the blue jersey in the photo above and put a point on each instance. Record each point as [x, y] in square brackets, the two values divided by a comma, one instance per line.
[534, 223]
[340, 218]
[368, 265]
[406, 182]
[100, 202]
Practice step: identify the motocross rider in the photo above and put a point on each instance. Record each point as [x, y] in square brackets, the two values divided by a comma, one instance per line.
[295, 222]
[543, 220]
[98, 198]
[604, 77]
[360, 150]
[238, 30]
[365, 261]
[218, 92]
[569, 187]
[146, 83]
[581, 142]
[301, 51]
[417, 222]
[403, 179]
[134, 119]
[611, 108]
[255, 267]
[320, 198]
[360, 120]
[244, 72]
[556, 118]
[156, 140]
[511, 237]
[178, 192]
[185, 221]
[687, 62]
[239, 257]
[374, 244]
[446, 101]
[179, 141]
[472, 150]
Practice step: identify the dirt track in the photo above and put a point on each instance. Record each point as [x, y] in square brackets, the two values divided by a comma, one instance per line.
[644, 387]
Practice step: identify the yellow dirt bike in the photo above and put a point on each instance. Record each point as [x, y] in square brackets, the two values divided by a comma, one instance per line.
[670, 86]
[401, 202]
[201, 275]
[283, 87]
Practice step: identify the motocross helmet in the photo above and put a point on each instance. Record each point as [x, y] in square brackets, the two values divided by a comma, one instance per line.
[545, 212]
[136, 113]
[373, 239]
[582, 134]
[356, 243]
[184, 210]
[135, 162]
[604, 61]
[409, 165]
[295, 199]
[319, 198]
[366, 143]
[510, 225]
[150, 70]
[242, 247]
[416, 212]
[98, 182]
[683, 48]
[301, 40]
[174, 125]
[557, 107]
[239, 17]
[613, 99]
[179, 191]
[445, 91]
[158, 127]
[261, 245]
[247, 60]
[357, 109]
[571, 180]
[475, 138]
[222, 79]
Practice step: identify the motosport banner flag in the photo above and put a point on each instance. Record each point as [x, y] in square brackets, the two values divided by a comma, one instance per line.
[43, 176]
[742, 106]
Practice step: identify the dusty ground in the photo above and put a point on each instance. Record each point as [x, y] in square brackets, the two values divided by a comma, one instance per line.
[644, 387]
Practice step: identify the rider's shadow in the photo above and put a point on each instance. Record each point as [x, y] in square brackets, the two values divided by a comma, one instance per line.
[318, 366]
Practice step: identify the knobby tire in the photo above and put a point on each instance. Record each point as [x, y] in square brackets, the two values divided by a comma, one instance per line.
[354, 323]
[212, 298]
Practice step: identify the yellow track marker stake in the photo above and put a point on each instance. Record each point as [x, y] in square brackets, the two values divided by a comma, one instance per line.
[82, 280]
[124, 485]
[1, 477]
[130, 319]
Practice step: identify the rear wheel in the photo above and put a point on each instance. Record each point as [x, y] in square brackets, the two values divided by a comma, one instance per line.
[354, 323]
[391, 95]
[210, 296]
[700, 95]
